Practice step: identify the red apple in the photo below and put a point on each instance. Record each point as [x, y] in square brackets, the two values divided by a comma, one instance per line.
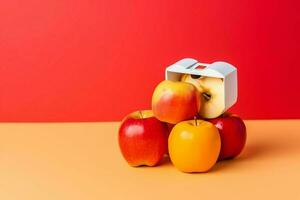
[233, 135]
[175, 101]
[143, 139]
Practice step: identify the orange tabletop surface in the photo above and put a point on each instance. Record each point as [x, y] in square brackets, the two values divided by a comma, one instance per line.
[82, 161]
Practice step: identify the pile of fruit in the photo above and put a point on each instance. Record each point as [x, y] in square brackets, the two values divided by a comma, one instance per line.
[186, 123]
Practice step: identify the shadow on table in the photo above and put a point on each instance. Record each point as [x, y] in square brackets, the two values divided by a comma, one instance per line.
[263, 149]
[166, 161]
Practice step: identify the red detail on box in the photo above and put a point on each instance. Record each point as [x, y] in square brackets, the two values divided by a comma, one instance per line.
[200, 67]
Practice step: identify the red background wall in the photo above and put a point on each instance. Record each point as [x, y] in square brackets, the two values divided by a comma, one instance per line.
[98, 60]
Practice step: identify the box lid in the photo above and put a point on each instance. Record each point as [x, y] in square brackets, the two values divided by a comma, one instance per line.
[191, 66]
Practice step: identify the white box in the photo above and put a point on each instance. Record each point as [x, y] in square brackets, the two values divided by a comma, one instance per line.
[219, 69]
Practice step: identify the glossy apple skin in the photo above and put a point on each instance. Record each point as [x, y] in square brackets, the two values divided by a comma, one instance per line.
[143, 141]
[173, 102]
[233, 135]
[194, 148]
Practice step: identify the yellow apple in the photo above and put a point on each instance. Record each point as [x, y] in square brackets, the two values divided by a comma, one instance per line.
[212, 94]
[194, 145]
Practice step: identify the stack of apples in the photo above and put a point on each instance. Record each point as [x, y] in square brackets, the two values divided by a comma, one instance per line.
[187, 122]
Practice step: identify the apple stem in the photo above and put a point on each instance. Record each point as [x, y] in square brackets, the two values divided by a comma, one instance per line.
[141, 114]
[206, 96]
[195, 118]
